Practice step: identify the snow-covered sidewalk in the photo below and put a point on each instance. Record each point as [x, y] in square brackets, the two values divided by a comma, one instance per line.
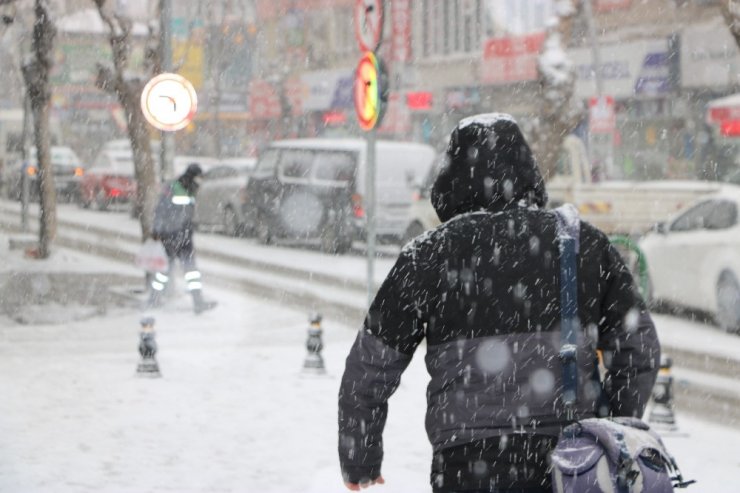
[233, 411]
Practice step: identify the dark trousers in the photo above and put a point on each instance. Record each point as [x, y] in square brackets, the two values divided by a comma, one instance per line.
[179, 246]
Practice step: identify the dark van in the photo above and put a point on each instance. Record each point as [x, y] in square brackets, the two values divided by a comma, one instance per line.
[312, 190]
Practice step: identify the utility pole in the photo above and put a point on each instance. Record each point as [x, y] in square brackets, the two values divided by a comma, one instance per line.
[602, 146]
[167, 150]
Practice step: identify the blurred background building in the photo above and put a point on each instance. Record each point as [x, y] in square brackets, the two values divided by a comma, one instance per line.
[267, 69]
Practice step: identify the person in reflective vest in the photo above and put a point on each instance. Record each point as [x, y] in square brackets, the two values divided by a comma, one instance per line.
[173, 226]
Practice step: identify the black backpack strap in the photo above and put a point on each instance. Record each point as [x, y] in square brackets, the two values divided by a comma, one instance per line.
[568, 238]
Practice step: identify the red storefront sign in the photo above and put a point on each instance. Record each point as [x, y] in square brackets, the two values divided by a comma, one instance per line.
[401, 30]
[419, 101]
[602, 118]
[334, 118]
[511, 59]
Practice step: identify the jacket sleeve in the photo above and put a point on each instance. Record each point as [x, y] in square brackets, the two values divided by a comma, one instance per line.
[381, 352]
[627, 339]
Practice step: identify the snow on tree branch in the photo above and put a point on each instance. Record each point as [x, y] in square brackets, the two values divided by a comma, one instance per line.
[731, 13]
[560, 110]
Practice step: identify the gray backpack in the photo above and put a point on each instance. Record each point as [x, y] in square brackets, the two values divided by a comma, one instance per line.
[617, 455]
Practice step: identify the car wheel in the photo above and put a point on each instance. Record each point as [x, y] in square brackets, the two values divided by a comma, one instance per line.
[262, 228]
[414, 230]
[728, 303]
[231, 223]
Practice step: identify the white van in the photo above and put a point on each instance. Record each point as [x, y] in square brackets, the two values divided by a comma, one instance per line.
[314, 189]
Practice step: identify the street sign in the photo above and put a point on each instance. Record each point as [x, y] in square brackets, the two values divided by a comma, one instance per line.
[169, 102]
[368, 23]
[371, 91]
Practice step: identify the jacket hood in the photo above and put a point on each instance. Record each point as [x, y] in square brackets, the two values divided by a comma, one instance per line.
[489, 166]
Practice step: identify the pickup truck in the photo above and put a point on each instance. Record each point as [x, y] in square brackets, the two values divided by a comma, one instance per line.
[616, 207]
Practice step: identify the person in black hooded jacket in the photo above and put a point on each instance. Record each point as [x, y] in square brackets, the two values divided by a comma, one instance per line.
[483, 289]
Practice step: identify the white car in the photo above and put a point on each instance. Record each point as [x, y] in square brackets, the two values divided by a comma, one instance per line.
[693, 260]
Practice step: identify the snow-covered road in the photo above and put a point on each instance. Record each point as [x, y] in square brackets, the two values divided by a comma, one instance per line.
[232, 413]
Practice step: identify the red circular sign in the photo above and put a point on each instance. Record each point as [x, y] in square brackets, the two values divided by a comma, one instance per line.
[370, 91]
[369, 23]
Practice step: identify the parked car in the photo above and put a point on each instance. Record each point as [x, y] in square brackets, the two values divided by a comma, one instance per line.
[67, 168]
[220, 201]
[693, 259]
[314, 190]
[110, 180]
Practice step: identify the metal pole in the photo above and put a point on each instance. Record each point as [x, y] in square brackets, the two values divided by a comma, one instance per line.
[598, 78]
[25, 182]
[168, 143]
[370, 211]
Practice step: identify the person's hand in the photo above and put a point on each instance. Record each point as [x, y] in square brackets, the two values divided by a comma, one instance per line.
[356, 486]
[155, 237]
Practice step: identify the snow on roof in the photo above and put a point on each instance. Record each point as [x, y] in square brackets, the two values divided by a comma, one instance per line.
[485, 119]
[733, 100]
[88, 21]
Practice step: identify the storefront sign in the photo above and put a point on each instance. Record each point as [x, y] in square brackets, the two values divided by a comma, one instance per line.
[601, 116]
[639, 67]
[511, 59]
[709, 56]
[323, 90]
[420, 101]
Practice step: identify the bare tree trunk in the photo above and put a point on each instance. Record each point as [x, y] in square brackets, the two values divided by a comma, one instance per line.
[128, 91]
[731, 12]
[36, 74]
[560, 111]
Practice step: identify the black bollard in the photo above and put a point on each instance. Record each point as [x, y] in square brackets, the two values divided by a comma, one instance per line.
[148, 366]
[314, 362]
[661, 412]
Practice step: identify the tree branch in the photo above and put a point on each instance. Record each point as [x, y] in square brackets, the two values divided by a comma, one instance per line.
[731, 13]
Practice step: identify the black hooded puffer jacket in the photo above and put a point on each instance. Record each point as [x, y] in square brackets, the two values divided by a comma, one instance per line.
[483, 289]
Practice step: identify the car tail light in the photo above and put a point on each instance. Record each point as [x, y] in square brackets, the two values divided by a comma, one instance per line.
[31, 170]
[357, 210]
[79, 171]
[115, 192]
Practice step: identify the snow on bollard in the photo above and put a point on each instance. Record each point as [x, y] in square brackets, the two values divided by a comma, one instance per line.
[148, 366]
[661, 412]
[314, 362]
